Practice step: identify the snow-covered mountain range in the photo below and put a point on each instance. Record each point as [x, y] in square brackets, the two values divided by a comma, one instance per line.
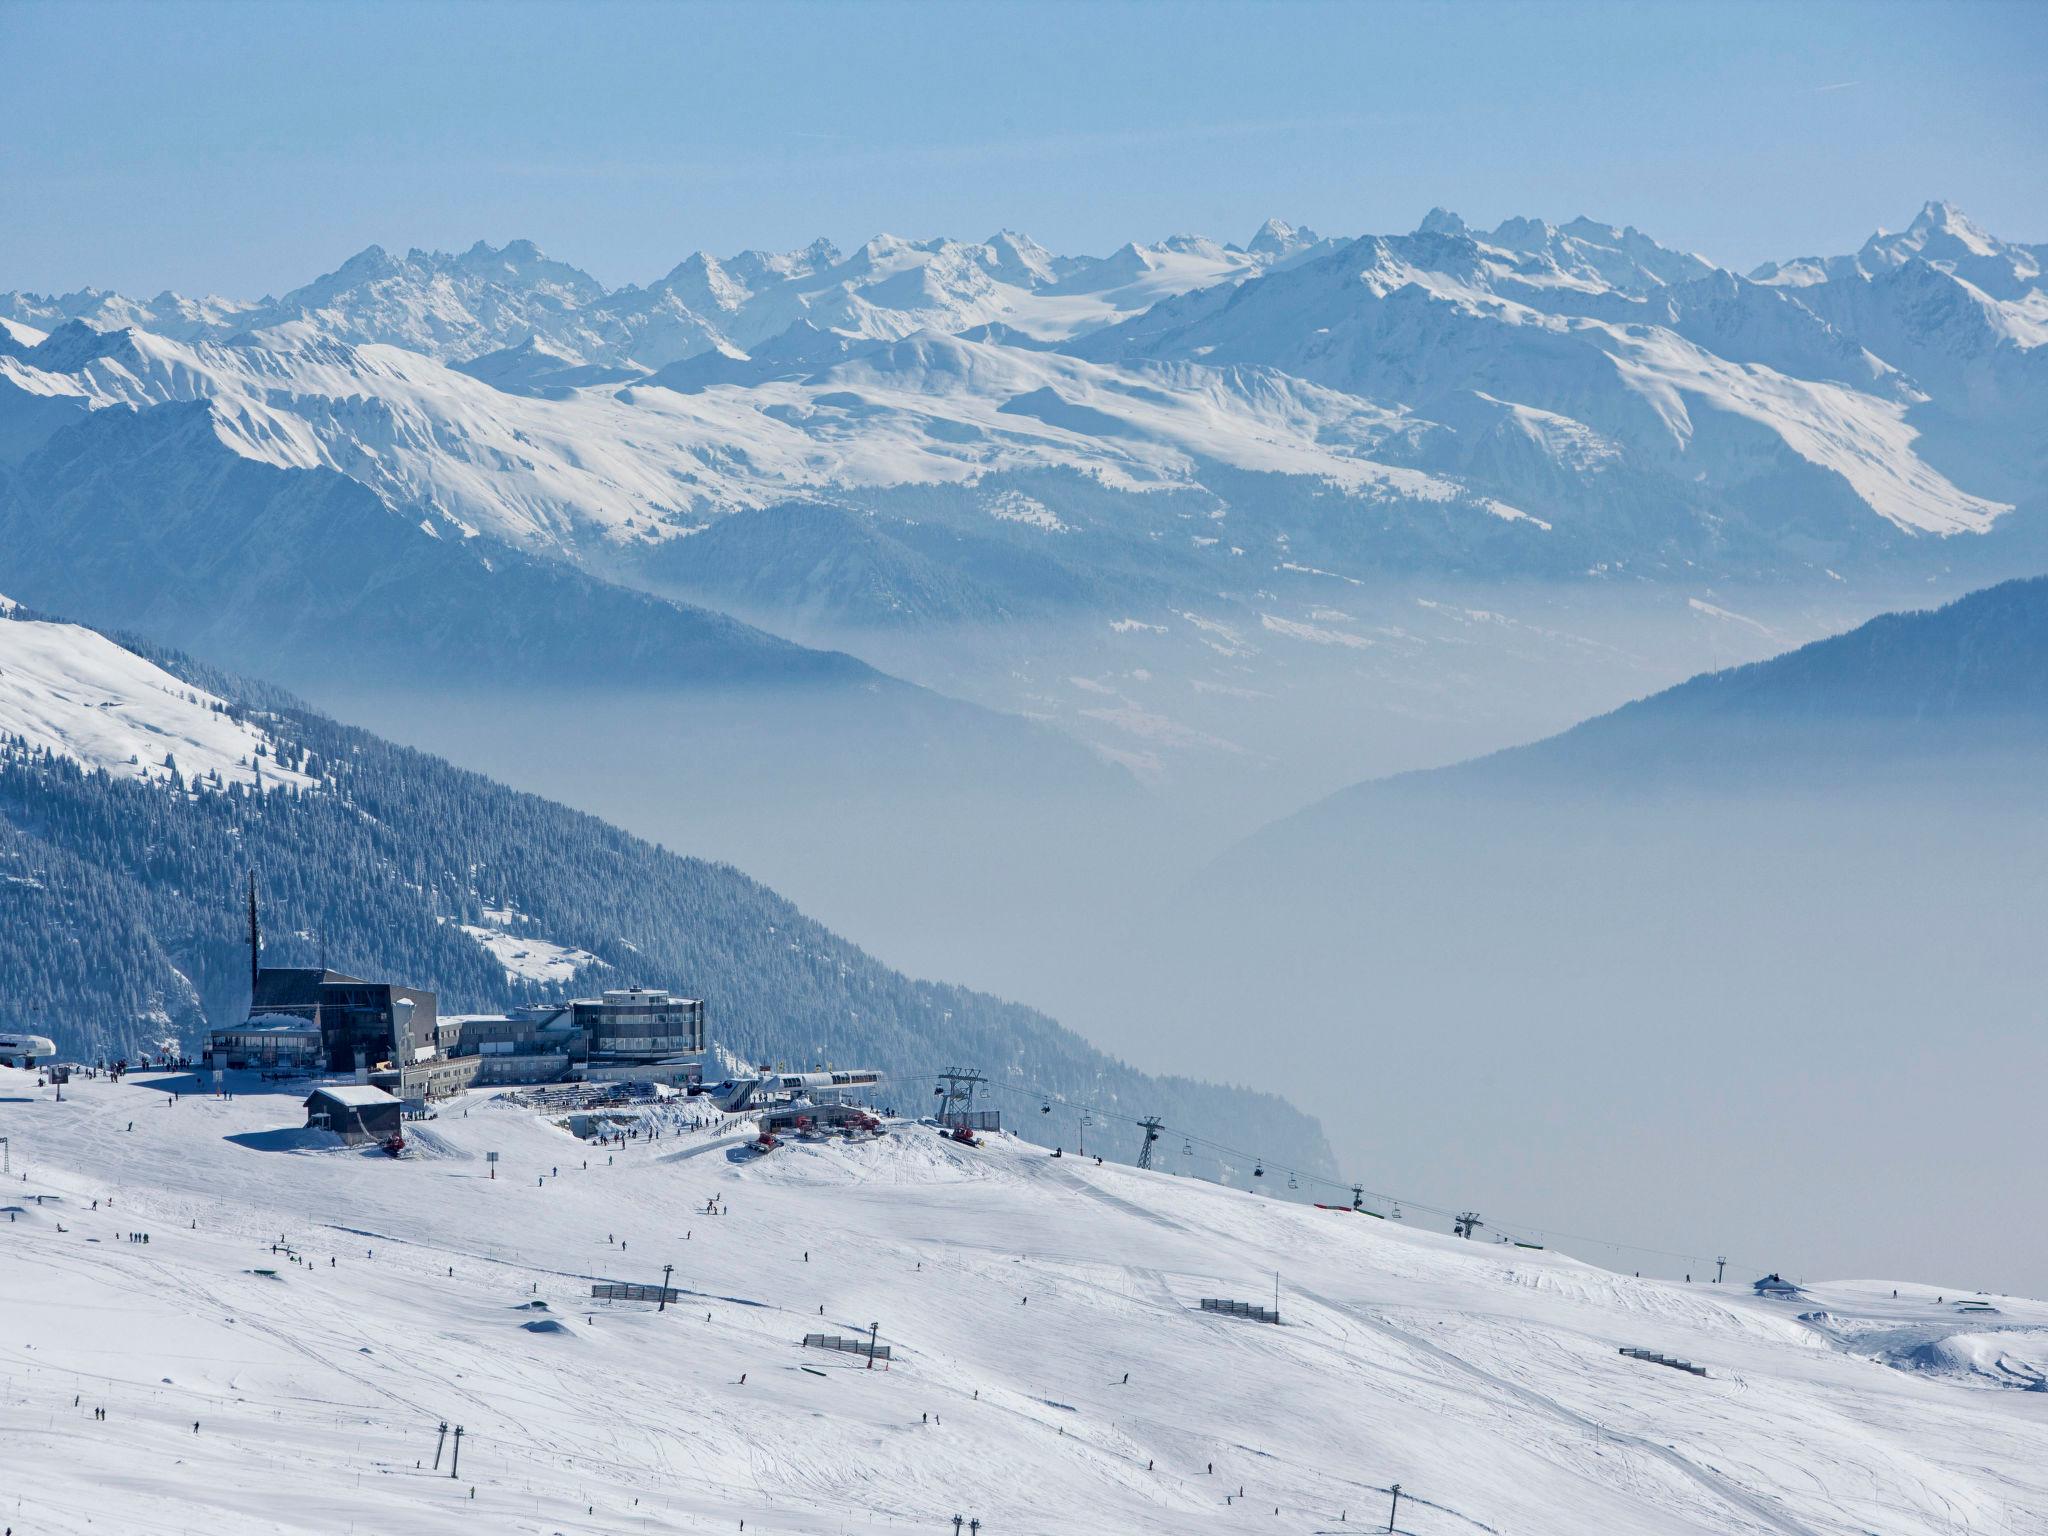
[462, 307]
[1193, 458]
[1616, 400]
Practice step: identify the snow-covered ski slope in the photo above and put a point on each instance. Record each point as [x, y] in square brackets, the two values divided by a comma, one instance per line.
[72, 691]
[1485, 1379]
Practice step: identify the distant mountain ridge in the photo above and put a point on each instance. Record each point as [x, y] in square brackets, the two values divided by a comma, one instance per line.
[247, 559]
[1145, 451]
[1981, 657]
[456, 306]
[1905, 693]
[1560, 373]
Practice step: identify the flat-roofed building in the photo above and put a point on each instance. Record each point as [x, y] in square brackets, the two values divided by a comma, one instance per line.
[641, 1034]
[362, 1024]
[523, 1045]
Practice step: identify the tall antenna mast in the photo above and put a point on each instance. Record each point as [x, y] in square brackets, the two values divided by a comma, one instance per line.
[255, 936]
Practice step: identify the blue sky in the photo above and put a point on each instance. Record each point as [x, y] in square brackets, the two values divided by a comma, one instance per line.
[244, 148]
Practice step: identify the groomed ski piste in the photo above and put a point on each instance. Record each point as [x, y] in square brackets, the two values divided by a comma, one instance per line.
[280, 1354]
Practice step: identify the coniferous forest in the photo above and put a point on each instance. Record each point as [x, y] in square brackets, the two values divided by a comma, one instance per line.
[122, 922]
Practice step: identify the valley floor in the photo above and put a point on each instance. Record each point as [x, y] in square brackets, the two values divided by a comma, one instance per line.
[278, 1355]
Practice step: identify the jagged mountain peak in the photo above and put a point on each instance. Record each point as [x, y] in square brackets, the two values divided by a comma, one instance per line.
[1940, 215]
[1940, 232]
[1623, 258]
[883, 246]
[1947, 241]
[757, 268]
[1018, 259]
[519, 252]
[77, 342]
[1276, 240]
[1188, 244]
[371, 261]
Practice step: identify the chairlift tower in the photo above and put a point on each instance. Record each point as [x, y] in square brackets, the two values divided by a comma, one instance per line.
[956, 1096]
[1467, 1223]
[1151, 1127]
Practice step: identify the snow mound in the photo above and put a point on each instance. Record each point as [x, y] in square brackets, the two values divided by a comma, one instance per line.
[2007, 1358]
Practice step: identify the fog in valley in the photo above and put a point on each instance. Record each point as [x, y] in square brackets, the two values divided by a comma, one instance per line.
[1682, 1012]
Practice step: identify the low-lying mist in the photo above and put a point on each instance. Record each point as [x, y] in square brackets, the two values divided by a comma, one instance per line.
[1781, 1006]
[1797, 1025]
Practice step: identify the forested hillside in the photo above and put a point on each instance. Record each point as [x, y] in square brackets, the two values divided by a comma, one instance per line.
[120, 919]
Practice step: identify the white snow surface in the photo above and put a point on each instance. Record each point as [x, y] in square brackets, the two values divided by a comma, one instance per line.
[1485, 1379]
[76, 693]
[20, 334]
[531, 959]
[547, 470]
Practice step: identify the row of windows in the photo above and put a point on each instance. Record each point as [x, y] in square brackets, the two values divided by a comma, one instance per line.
[645, 1043]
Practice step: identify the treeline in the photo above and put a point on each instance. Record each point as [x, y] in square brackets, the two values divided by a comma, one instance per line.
[121, 921]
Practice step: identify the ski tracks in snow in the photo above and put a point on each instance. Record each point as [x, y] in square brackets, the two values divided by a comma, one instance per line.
[1715, 1483]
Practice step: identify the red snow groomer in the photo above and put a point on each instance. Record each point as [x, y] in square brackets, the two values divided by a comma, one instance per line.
[964, 1136]
[766, 1142]
[394, 1145]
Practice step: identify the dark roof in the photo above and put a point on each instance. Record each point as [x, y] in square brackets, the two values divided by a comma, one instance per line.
[300, 986]
[308, 975]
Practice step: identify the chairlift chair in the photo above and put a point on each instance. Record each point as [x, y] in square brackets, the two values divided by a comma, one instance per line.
[1290, 1182]
[1259, 1169]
